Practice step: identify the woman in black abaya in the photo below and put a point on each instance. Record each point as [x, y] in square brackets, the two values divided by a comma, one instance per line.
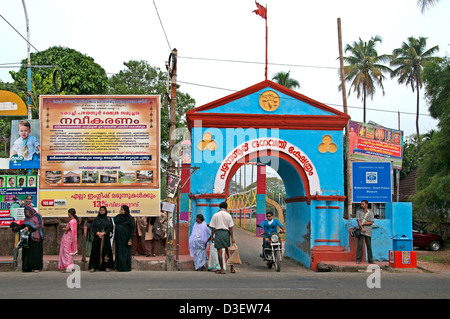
[101, 257]
[124, 238]
[32, 256]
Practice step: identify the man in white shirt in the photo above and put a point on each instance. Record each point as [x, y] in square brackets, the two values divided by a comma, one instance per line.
[222, 234]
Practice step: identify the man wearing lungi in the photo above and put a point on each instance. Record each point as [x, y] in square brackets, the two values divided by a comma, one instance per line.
[222, 234]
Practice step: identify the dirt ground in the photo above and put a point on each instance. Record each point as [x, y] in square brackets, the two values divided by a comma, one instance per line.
[434, 261]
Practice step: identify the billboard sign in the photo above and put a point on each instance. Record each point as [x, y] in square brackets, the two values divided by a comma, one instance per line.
[372, 181]
[16, 191]
[375, 143]
[93, 144]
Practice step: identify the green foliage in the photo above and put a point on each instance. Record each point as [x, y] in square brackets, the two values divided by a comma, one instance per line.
[432, 198]
[410, 156]
[139, 77]
[81, 74]
[426, 4]
[409, 61]
[284, 79]
[364, 69]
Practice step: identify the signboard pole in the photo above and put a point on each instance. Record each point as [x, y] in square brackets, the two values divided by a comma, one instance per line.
[347, 127]
[28, 62]
[170, 264]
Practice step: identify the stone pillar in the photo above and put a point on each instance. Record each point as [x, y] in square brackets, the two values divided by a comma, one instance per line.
[260, 195]
[319, 222]
[334, 211]
[184, 196]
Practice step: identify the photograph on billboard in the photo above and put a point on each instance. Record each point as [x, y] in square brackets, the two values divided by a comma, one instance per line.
[25, 144]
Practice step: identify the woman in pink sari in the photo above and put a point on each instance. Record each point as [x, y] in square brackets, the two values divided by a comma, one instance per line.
[68, 246]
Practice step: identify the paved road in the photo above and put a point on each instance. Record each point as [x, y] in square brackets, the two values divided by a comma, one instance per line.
[250, 247]
[207, 285]
[252, 281]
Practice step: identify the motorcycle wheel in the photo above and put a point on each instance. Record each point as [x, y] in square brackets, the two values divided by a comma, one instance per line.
[277, 260]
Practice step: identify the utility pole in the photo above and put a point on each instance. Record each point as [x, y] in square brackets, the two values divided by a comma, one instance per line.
[172, 68]
[347, 126]
[28, 62]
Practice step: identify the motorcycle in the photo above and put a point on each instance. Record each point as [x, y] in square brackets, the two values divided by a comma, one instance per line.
[272, 250]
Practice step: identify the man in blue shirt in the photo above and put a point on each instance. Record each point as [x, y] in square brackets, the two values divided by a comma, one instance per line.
[268, 226]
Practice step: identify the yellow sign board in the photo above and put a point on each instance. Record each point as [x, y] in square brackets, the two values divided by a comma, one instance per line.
[54, 203]
[11, 104]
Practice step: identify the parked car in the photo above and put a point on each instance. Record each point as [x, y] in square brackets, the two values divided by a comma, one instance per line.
[426, 239]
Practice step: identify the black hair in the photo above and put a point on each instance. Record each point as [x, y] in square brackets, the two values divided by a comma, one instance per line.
[223, 205]
[73, 212]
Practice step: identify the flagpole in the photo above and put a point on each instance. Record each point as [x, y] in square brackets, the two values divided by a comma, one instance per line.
[266, 42]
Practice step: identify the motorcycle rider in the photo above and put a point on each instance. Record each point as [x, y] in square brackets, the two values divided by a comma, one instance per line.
[268, 226]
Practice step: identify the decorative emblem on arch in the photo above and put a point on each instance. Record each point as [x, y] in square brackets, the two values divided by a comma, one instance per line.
[269, 100]
[327, 145]
[266, 144]
[207, 142]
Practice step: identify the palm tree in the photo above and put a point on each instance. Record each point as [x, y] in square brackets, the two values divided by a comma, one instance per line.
[364, 69]
[425, 4]
[284, 79]
[409, 61]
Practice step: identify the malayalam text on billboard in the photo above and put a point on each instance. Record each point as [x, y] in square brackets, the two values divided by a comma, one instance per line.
[98, 143]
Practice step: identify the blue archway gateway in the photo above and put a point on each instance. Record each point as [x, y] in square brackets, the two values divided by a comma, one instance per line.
[300, 138]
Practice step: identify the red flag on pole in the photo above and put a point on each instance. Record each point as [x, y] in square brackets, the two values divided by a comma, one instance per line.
[261, 11]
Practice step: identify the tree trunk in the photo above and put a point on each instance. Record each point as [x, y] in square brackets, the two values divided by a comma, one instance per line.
[417, 115]
[364, 106]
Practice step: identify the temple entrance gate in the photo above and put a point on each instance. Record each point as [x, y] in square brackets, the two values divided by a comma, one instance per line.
[298, 137]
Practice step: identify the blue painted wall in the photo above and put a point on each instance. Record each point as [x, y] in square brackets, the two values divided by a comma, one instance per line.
[398, 222]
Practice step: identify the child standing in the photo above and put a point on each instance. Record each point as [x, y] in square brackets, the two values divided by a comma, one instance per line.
[26, 145]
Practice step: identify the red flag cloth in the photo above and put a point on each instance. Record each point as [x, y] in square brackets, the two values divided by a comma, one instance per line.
[261, 10]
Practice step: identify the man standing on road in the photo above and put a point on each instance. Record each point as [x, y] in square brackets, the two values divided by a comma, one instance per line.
[365, 219]
[222, 231]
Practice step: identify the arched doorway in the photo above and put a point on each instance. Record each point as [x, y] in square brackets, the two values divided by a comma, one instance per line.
[298, 216]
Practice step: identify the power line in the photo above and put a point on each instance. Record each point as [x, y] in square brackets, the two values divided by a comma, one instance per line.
[288, 98]
[170, 48]
[255, 62]
[19, 33]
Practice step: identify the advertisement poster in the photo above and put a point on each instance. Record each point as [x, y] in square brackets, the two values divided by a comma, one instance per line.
[376, 143]
[372, 182]
[97, 143]
[25, 144]
[87, 202]
[15, 192]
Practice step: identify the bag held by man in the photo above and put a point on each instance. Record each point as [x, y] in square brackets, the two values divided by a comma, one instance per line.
[356, 231]
[158, 231]
[234, 256]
